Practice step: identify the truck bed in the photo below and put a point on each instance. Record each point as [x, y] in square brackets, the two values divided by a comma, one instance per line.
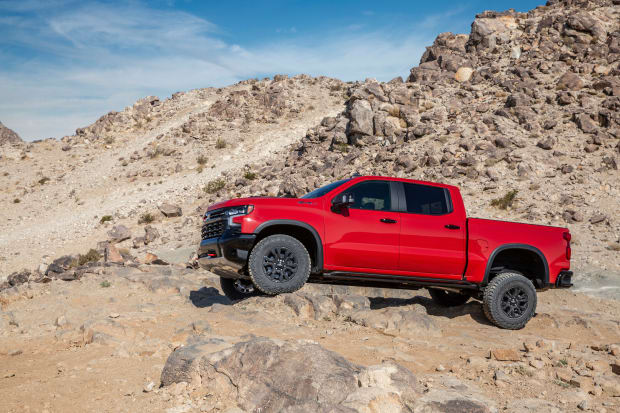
[487, 237]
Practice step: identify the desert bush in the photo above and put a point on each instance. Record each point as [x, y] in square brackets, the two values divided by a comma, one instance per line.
[214, 186]
[220, 143]
[249, 175]
[146, 218]
[105, 218]
[505, 201]
[341, 147]
[91, 256]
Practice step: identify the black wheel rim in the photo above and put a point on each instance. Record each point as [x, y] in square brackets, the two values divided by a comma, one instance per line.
[280, 264]
[244, 287]
[514, 302]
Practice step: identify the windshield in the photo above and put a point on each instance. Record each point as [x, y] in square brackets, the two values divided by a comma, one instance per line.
[325, 189]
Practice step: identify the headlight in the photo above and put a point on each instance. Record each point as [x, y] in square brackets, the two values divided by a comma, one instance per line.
[239, 210]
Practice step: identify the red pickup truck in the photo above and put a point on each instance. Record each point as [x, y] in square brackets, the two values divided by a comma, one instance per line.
[385, 232]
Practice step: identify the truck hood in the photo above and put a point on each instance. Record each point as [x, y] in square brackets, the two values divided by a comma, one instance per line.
[258, 200]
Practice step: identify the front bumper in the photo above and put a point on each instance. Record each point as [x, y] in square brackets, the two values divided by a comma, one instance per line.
[564, 279]
[226, 255]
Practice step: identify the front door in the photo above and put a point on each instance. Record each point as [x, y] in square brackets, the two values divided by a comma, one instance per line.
[432, 239]
[364, 237]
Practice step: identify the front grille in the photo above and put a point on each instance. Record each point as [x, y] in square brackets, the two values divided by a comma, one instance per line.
[216, 213]
[213, 229]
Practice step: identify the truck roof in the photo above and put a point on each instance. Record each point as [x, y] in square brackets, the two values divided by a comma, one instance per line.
[390, 178]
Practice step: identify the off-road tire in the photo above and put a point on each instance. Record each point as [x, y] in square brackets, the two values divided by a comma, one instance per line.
[448, 298]
[497, 295]
[264, 250]
[233, 292]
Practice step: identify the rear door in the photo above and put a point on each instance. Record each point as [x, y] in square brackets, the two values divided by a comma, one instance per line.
[365, 237]
[433, 234]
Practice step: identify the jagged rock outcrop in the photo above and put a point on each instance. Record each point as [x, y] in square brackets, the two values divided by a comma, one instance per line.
[8, 136]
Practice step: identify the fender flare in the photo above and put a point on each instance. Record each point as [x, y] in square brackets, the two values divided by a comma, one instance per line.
[526, 247]
[301, 224]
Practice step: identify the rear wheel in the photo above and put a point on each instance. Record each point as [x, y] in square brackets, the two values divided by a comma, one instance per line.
[237, 289]
[509, 301]
[447, 298]
[279, 264]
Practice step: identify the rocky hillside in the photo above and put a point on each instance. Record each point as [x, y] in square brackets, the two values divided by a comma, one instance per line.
[527, 102]
[8, 136]
[62, 197]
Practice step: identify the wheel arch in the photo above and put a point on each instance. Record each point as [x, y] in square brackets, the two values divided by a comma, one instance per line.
[302, 231]
[524, 258]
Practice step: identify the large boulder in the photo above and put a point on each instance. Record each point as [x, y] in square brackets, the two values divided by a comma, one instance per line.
[361, 116]
[61, 265]
[585, 22]
[170, 210]
[463, 74]
[487, 30]
[569, 81]
[585, 123]
[119, 233]
[272, 376]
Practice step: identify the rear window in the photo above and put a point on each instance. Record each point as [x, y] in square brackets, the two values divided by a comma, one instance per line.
[427, 200]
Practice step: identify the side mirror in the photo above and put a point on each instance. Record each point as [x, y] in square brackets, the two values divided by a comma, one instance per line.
[342, 202]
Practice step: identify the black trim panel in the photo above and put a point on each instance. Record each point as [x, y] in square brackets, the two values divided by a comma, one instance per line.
[400, 190]
[395, 199]
[317, 237]
[527, 247]
[389, 281]
[227, 246]
[446, 192]
[564, 279]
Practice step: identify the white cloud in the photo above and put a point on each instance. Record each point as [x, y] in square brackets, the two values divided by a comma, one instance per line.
[93, 58]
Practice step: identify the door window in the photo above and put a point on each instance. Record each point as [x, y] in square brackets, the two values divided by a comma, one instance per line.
[371, 195]
[427, 200]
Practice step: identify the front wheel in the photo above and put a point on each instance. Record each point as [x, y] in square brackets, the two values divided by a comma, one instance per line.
[279, 264]
[237, 289]
[509, 301]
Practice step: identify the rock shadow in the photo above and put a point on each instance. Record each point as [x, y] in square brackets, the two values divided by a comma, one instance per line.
[207, 296]
[472, 308]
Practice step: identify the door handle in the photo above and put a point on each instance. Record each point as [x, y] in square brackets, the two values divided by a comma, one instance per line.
[451, 226]
[388, 220]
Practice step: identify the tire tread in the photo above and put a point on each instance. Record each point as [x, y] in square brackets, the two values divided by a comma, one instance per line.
[279, 289]
[490, 297]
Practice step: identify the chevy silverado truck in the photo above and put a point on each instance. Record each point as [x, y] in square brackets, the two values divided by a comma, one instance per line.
[385, 232]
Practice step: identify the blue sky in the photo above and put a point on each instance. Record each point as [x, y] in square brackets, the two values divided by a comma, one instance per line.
[64, 63]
